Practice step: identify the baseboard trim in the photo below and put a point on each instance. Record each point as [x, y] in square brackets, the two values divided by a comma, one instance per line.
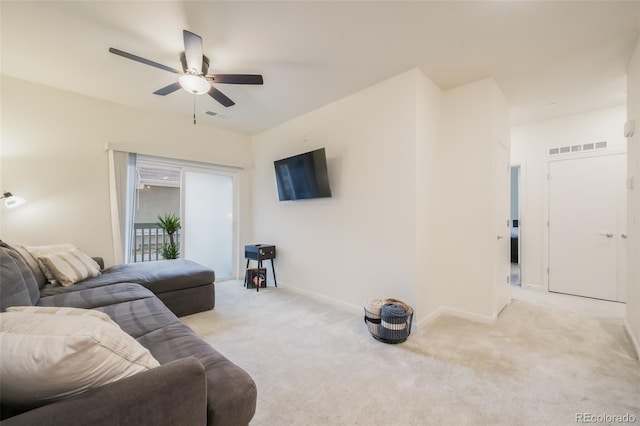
[633, 339]
[532, 287]
[356, 310]
[458, 313]
[431, 317]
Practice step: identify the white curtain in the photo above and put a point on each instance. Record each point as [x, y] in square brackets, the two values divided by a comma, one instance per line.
[122, 182]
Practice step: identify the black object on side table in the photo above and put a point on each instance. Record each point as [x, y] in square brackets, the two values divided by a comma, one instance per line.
[260, 252]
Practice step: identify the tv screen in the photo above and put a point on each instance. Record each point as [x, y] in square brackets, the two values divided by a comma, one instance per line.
[303, 176]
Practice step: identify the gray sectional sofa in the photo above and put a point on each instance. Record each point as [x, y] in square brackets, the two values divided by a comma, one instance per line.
[194, 384]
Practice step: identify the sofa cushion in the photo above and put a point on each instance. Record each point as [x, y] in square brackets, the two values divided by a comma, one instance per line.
[189, 300]
[17, 284]
[161, 275]
[98, 297]
[52, 354]
[142, 316]
[158, 276]
[231, 392]
[31, 262]
[70, 266]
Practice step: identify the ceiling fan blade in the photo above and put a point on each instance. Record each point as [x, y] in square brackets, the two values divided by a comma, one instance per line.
[142, 60]
[220, 97]
[168, 89]
[193, 51]
[237, 78]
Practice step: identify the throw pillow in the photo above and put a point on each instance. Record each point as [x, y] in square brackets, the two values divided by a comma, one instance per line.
[70, 266]
[37, 251]
[51, 356]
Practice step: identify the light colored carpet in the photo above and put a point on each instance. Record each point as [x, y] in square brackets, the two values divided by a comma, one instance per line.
[315, 364]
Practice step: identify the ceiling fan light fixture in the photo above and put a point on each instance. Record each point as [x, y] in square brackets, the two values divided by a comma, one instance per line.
[196, 84]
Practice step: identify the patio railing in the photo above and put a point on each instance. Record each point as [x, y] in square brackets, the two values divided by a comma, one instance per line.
[147, 240]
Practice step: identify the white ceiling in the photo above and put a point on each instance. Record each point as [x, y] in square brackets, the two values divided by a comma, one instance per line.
[573, 53]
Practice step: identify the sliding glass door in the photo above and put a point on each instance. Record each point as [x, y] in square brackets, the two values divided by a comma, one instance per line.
[203, 196]
[208, 220]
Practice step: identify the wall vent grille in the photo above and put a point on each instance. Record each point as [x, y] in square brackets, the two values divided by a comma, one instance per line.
[578, 148]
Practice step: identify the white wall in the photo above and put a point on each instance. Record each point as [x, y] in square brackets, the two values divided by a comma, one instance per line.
[429, 133]
[52, 154]
[513, 207]
[633, 201]
[530, 148]
[360, 243]
[413, 197]
[463, 220]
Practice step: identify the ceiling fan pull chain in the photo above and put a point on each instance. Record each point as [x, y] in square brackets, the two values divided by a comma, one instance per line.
[194, 109]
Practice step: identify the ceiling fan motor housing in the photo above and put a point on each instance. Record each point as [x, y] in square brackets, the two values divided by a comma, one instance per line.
[185, 68]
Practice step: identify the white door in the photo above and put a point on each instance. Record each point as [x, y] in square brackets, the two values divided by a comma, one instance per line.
[586, 196]
[501, 269]
[622, 233]
[208, 225]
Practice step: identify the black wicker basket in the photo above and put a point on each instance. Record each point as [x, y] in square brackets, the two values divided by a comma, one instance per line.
[389, 329]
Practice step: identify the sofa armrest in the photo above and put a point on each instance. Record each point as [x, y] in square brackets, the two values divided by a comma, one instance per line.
[171, 394]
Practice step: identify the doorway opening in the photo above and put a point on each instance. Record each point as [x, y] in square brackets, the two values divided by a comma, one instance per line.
[157, 193]
[514, 227]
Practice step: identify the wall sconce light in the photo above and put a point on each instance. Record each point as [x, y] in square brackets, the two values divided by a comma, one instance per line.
[12, 200]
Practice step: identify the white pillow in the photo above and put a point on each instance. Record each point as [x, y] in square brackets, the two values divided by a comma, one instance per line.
[52, 353]
[55, 310]
[70, 266]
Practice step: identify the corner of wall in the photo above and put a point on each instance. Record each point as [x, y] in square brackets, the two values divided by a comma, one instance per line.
[633, 206]
[634, 342]
[447, 310]
[428, 118]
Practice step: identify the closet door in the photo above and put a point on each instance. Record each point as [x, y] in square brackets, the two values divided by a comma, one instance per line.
[586, 196]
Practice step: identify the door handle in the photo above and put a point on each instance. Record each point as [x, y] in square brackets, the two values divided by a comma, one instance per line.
[500, 237]
[608, 234]
[624, 236]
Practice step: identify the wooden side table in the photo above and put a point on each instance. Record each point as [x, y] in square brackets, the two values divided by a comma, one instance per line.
[260, 252]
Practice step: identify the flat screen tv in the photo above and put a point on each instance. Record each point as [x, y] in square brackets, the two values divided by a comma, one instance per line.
[303, 176]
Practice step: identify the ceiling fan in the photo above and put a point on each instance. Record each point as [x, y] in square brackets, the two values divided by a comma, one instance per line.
[194, 78]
